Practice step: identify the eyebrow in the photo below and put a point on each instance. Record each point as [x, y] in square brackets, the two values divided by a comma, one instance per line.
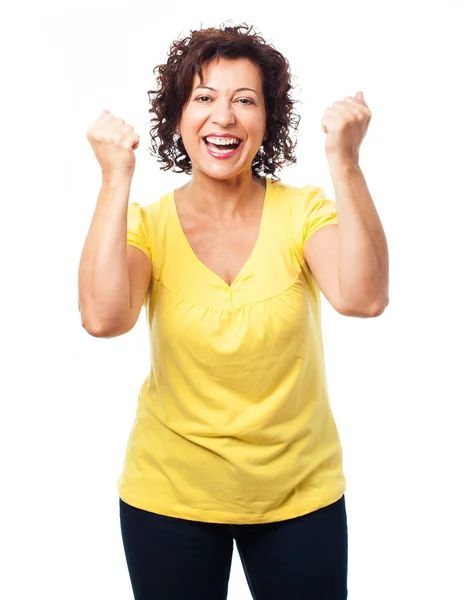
[241, 89]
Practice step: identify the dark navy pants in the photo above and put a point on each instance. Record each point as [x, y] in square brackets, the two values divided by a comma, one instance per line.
[304, 558]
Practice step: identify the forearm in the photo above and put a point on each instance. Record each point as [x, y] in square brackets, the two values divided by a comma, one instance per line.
[363, 251]
[103, 279]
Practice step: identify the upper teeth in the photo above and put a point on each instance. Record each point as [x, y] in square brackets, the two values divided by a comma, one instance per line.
[222, 141]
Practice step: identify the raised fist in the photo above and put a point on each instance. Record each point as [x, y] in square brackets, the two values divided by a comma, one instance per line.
[113, 142]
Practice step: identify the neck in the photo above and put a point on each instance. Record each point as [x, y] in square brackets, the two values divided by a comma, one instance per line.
[221, 199]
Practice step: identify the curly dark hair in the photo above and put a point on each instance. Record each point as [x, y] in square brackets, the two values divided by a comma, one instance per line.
[175, 78]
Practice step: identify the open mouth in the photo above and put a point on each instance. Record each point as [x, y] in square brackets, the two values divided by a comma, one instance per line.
[222, 148]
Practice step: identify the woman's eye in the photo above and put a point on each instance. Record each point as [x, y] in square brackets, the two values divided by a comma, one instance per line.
[241, 100]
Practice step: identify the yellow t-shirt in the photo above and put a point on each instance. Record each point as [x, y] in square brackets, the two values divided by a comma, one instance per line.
[233, 422]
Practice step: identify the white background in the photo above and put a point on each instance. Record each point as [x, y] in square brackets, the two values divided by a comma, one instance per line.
[397, 385]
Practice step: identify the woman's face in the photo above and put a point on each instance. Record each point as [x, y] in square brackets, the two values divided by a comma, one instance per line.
[230, 101]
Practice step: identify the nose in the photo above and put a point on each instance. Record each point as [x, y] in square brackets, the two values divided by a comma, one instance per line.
[222, 113]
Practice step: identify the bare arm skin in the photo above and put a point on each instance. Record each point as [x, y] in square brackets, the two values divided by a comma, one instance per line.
[113, 276]
[350, 260]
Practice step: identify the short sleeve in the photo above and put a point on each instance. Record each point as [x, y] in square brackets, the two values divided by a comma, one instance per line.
[318, 211]
[138, 233]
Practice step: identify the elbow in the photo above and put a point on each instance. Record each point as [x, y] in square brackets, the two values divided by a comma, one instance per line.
[107, 327]
[98, 330]
[376, 309]
[93, 329]
[379, 307]
[364, 311]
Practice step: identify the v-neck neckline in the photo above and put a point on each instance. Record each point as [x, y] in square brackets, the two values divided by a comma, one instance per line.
[198, 262]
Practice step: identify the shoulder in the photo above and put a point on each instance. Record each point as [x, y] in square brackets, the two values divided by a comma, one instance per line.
[295, 194]
[149, 212]
[308, 209]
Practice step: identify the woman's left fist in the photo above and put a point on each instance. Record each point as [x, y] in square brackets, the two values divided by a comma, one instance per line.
[345, 124]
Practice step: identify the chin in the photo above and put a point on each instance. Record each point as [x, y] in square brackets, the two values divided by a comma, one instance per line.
[221, 172]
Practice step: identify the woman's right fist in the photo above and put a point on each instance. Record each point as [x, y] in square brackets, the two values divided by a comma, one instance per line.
[113, 143]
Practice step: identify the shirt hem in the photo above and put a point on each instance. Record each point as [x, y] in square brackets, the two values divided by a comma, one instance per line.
[213, 516]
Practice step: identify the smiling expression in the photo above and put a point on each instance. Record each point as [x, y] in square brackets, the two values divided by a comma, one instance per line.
[229, 102]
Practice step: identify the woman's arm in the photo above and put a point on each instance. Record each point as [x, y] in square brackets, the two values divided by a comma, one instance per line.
[105, 291]
[350, 260]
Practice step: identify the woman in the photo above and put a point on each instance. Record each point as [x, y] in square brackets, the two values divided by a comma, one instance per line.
[234, 437]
